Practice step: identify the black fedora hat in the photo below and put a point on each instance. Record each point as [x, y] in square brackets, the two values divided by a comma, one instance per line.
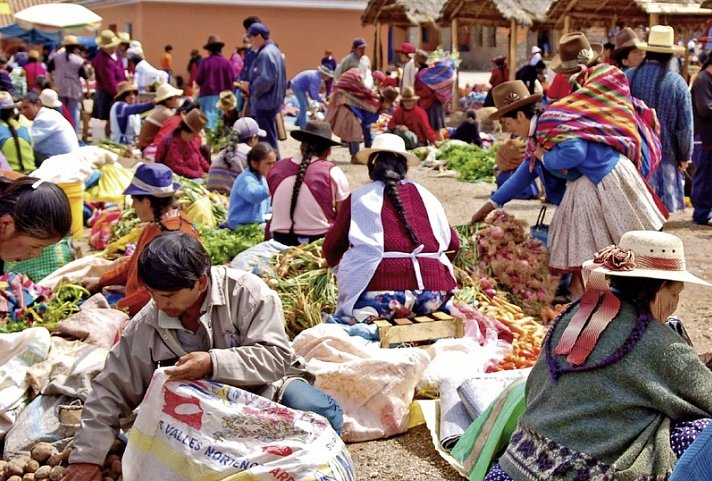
[315, 131]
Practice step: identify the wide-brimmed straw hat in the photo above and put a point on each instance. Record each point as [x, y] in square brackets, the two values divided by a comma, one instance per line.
[326, 70]
[575, 50]
[107, 39]
[408, 93]
[196, 120]
[33, 54]
[661, 39]
[648, 254]
[511, 95]
[213, 40]
[124, 37]
[155, 180]
[388, 143]
[70, 40]
[315, 131]
[50, 98]
[122, 88]
[166, 91]
[6, 101]
[227, 101]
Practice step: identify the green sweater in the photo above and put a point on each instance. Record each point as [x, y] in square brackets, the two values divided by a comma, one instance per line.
[618, 415]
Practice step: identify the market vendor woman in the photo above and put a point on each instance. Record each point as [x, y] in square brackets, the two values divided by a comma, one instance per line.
[33, 215]
[391, 242]
[152, 192]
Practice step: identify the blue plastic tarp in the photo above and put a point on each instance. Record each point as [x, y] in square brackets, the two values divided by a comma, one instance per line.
[38, 37]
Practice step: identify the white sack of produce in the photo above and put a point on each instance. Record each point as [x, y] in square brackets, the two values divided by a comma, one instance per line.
[373, 386]
[188, 430]
[75, 166]
[18, 352]
[76, 271]
[96, 322]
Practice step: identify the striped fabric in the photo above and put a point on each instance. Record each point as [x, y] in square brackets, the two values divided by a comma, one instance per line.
[440, 78]
[356, 94]
[601, 110]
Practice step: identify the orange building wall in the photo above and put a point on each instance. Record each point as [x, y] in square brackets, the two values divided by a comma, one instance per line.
[302, 34]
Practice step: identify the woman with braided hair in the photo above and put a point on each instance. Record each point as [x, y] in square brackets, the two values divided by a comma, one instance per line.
[391, 242]
[306, 190]
[152, 194]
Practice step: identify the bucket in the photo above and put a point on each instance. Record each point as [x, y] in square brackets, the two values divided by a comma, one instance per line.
[97, 128]
[75, 193]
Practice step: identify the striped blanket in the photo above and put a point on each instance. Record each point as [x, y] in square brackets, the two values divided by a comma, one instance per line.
[601, 110]
[440, 78]
[350, 86]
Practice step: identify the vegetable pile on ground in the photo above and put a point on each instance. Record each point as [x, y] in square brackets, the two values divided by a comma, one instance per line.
[503, 250]
[48, 309]
[224, 244]
[200, 204]
[305, 286]
[473, 163]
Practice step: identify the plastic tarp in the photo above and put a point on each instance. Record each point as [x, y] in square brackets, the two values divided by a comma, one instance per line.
[38, 37]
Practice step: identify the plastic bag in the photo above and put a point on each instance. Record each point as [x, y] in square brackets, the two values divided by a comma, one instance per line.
[112, 184]
[201, 212]
[188, 430]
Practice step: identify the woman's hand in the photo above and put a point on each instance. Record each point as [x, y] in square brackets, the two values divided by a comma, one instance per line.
[92, 284]
[481, 214]
[682, 166]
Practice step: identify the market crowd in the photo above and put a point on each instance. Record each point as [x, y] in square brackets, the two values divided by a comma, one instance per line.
[609, 140]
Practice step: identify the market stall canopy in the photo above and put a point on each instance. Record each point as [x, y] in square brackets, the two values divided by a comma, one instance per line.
[495, 12]
[31, 36]
[8, 7]
[402, 13]
[56, 17]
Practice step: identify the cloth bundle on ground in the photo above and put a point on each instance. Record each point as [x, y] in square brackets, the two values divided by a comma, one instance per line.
[440, 78]
[77, 166]
[373, 386]
[102, 225]
[62, 381]
[77, 270]
[18, 352]
[17, 294]
[601, 111]
[96, 322]
[356, 94]
[189, 430]
[52, 258]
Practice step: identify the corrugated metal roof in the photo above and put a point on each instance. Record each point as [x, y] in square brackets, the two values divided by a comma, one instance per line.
[17, 5]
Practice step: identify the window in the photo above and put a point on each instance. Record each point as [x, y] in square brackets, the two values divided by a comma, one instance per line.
[425, 35]
[128, 28]
[492, 37]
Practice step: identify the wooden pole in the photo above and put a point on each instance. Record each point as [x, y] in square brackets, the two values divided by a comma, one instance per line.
[454, 47]
[512, 49]
[567, 24]
[378, 54]
[686, 58]
[654, 19]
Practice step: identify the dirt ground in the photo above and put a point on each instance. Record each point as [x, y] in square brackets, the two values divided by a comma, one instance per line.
[411, 456]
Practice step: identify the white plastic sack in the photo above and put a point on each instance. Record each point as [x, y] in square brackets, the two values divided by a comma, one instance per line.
[18, 352]
[188, 430]
[257, 259]
[373, 386]
[75, 166]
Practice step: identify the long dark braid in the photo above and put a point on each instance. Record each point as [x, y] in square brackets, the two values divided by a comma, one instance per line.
[231, 148]
[390, 169]
[159, 206]
[309, 150]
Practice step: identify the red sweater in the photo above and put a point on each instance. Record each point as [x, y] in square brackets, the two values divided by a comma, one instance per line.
[426, 94]
[397, 274]
[184, 158]
[416, 120]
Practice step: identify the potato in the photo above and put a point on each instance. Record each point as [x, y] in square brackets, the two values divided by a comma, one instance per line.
[43, 472]
[3, 464]
[32, 466]
[110, 460]
[41, 451]
[116, 467]
[66, 452]
[14, 468]
[108, 478]
[56, 473]
[28, 477]
[116, 447]
[14, 478]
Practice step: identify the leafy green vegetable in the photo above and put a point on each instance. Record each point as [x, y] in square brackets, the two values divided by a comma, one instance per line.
[217, 138]
[127, 222]
[473, 163]
[224, 244]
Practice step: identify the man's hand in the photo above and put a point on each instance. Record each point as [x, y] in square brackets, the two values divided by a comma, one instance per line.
[480, 215]
[82, 472]
[194, 365]
[682, 166]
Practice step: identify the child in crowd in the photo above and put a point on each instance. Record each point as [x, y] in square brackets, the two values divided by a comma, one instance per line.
[125, 114]
[249, 198]
[469, 130]
[232, 160]
[410, 122]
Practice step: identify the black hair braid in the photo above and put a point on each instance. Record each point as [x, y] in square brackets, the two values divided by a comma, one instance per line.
[392, 193]
[159, 206]
[310, 150]
[390, 169]
[231, 148]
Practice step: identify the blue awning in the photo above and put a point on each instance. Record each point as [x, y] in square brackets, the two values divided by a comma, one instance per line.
[38, 37]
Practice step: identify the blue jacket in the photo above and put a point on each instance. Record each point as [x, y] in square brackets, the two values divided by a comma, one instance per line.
[308, 81]
[268, 80]
[249, 200]
[522, 178]
[579, 157]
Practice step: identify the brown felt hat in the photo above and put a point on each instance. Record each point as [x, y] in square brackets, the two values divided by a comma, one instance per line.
[196, 120]
[626, 38]
[213, 40]
[408, 93]
[315, 131]
[575, 50]
[421, 56]
[509, 96]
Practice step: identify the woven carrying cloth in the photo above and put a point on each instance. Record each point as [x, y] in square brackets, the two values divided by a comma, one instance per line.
[440, 78]
[601, 110]
[356, 94]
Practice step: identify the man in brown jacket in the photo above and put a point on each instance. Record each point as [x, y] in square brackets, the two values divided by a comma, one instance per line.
[216, 323]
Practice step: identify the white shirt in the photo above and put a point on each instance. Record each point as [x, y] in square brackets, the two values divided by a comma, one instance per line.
[536, 58]
[146, 75]
[409, 72]
[52, 134]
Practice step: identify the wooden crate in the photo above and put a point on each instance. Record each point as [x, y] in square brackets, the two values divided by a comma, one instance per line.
[432, 327]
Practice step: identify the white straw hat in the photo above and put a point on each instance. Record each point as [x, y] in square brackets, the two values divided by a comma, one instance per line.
[649, 254]
[388, 143]
[49, 98]
[661, 40]
[166, 91]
